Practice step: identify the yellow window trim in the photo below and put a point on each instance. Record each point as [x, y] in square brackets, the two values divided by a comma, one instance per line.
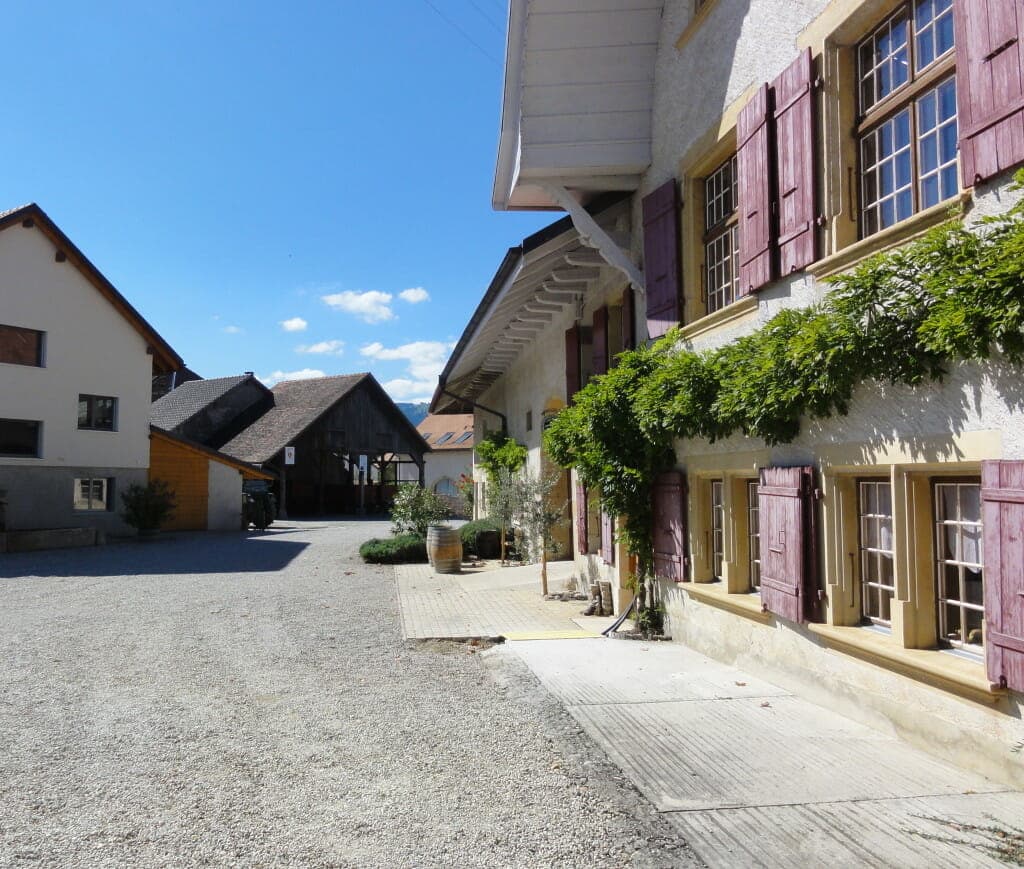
[744, 309]
[695, 23]
[714, 593]
[948, 672]
[893, 236]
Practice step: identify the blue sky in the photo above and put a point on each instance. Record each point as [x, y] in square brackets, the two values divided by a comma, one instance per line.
[247, 173]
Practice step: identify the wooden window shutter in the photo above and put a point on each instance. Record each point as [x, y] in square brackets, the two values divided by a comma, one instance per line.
[788, 557]
[581, 518]
[661, 258]
[754, 166]
[669, 503]
[989, 86]
[607, 537]
[795, 175]
[572, 362]
[1002, 499]
[600, 340]
[629, 319]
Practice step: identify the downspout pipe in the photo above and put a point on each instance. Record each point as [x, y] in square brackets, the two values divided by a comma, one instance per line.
[475, 405]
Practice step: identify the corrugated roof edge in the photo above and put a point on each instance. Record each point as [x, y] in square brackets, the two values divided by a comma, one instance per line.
[163, 353]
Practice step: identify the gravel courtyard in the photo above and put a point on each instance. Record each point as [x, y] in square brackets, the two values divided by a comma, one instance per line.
[248, 700]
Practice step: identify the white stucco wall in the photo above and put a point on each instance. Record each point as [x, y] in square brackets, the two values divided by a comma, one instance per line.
[89, 349]
[224, 504]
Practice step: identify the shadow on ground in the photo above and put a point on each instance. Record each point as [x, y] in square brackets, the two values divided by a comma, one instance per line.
[182, 553]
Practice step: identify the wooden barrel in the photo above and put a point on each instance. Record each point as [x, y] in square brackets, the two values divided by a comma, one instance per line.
[444, 548]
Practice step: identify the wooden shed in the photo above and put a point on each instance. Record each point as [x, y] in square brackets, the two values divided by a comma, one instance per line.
[207, 484]
[349, 439]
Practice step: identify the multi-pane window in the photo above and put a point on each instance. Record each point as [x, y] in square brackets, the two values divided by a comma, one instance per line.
[721, 240]
[717, 528]
[877, 578]
[908, 131]
[21, 346]
[753, 537]
[97, 412]
[958, 551]
[93, 493]
[20, 437]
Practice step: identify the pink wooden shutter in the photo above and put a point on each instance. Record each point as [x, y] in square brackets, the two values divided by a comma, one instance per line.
[795, 160]
[600, 340]
[788, 559]
[581, 518]
[661, 258]
[629, 319]
[1002, 498]
[756, 223]
[572, 363]
[607, 538]
[669, 502]
[990, 86]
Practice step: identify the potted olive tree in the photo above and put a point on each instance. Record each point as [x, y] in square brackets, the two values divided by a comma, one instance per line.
[147, 507]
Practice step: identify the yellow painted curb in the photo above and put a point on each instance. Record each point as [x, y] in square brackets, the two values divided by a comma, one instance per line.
[551, 635]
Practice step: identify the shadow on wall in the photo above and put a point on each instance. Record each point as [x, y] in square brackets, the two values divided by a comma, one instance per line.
[169, 555]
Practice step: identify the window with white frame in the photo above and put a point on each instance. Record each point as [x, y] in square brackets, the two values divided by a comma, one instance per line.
[93, 493]
[717, 527]
[908, 129]
[877, 577]
[958, 563]
[721, 240]
[753, 538]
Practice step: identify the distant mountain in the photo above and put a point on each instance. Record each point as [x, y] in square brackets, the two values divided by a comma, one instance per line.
[415, 412]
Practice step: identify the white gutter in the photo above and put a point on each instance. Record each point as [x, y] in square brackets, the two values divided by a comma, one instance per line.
[509, 141]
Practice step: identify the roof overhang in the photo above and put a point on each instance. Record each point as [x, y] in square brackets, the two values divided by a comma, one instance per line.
[576, 112]
[535, 282]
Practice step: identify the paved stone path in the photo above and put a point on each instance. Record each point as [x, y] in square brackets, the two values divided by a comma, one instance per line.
[492, 603]
[248, 700]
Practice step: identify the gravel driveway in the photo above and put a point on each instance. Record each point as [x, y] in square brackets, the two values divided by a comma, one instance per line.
[224, 699]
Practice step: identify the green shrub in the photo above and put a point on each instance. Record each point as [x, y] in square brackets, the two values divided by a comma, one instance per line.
[403, 549]
[471, 530]
[415, 508]
[147, 507]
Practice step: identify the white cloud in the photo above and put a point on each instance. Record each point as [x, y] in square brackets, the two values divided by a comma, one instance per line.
[233, 330]
[426, 358]
[415, 295]
[295, 324]
[372, 306]
[410, 390]
[330, 348]
[302, 374]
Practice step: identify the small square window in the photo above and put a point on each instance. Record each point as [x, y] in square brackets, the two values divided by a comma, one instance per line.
[20, 437]
[93, 494]
[97, 412]
[21, 346]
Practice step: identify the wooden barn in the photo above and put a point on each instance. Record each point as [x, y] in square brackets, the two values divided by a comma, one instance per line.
[349, 442]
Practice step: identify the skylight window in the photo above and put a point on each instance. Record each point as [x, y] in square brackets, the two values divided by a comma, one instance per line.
[447, 436]
[464, 437]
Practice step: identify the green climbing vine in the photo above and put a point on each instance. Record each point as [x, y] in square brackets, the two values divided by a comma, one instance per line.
[900, 317]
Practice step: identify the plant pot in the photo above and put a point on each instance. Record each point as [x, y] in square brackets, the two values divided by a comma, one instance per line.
[444, 548]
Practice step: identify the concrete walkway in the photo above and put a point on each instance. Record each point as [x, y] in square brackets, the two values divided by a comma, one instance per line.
[748, 773]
